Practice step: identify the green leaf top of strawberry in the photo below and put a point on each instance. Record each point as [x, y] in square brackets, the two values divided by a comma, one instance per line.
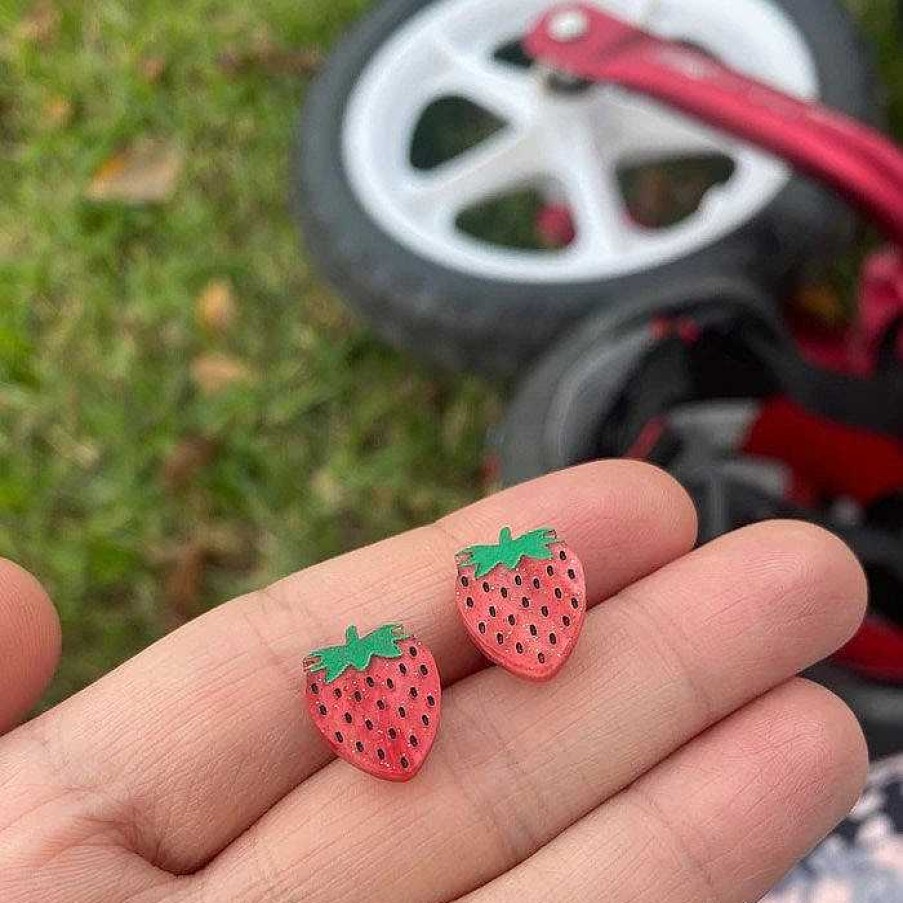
[357, 651]
[509, 550]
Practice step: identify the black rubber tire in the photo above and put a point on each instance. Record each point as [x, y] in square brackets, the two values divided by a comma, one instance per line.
[564, 399]
[496, 327]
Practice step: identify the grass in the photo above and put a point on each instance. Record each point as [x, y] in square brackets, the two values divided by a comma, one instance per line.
[139, 497]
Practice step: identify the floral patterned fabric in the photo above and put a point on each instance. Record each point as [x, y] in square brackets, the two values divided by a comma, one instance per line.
[862, 861]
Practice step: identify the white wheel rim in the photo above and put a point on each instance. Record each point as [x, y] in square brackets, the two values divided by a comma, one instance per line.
[576, 140]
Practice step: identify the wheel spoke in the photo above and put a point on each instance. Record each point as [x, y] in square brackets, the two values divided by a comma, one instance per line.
[509, 93]
[648, 11]
[592, 191]
[642, 130]
[502, 162]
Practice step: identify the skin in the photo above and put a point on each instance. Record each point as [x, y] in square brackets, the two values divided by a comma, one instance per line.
[675, 757]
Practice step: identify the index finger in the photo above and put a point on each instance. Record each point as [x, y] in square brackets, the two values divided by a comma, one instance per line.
[204, 731]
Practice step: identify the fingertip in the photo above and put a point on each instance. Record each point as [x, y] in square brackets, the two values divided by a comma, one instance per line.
[832, 740]
[803, 554]
[30, 641]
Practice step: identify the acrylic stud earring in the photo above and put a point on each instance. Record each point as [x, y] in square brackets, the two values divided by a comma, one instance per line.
[376, 700]
[523, 601]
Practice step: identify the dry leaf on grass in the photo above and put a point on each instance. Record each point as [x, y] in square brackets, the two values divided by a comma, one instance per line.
[188, 457]
[215, 306]
[152, 68]
[184, 581]
[56, 112]
[143, 173]
[40, 24]
[271, 59]
[213, 373]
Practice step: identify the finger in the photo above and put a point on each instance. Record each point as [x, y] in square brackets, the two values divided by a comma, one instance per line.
[721, 820]
[516, 764]
[29, 642]
[221, 699]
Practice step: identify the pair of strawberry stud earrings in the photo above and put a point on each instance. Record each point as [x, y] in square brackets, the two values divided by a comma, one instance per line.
[376, 698]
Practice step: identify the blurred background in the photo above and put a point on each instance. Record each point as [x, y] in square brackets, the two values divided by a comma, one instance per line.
[186, 410]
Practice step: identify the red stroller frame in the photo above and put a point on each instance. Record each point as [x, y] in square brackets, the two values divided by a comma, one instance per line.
[589, 45]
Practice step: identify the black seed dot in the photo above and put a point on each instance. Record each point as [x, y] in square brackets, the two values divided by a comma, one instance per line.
[519, 647]
[339, 737]
[558, 592]
[368, 724]
[566, 621]
[504, 592]
[413, 741]
[371, 682]
[404, 762]
[426, 720]
[562, 555]
[575, 603]
[430, 700]
[525, 602]
[533, 630]
[314, 689]
[392, 733]
[464, 581]
[544, 611]
[553, 639]
[571, 574]
[541, 658]
[482, 627]
[321, 709]
[550, 570]
[357, 696]
[403, 668]
[469, 602]
[536, 583]
[517, 580]
[381, 753]
[499, 639]
[337, 693]
[413, 692]
[424, 670]
[359, 746]
[413, 651]
[512, 620]
[390, 683]
[491, 611]
[347, 717]
[485, 586]
[401, 712]
[381, 704]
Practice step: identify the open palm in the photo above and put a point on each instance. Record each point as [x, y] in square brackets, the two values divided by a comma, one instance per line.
[675, 758]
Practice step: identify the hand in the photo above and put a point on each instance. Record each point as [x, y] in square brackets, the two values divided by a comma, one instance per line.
[675, 758]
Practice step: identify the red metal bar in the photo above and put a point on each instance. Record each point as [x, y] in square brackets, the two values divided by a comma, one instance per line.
[858, 162]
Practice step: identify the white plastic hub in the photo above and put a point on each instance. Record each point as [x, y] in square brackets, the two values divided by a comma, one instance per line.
[572, 142]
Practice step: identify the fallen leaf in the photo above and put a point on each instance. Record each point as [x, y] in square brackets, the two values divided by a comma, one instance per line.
[57, 112]
[188, 457]
[215, 306]
[184, 581]
[213, 373]
[327, 488]
[271, 59]
[40, 24]
[152, 68]
[144, 173]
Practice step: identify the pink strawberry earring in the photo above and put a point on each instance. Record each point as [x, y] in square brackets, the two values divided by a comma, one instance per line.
[376, 700]
[523, 601]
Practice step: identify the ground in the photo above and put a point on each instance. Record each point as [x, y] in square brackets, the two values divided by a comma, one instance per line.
[185, 410]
